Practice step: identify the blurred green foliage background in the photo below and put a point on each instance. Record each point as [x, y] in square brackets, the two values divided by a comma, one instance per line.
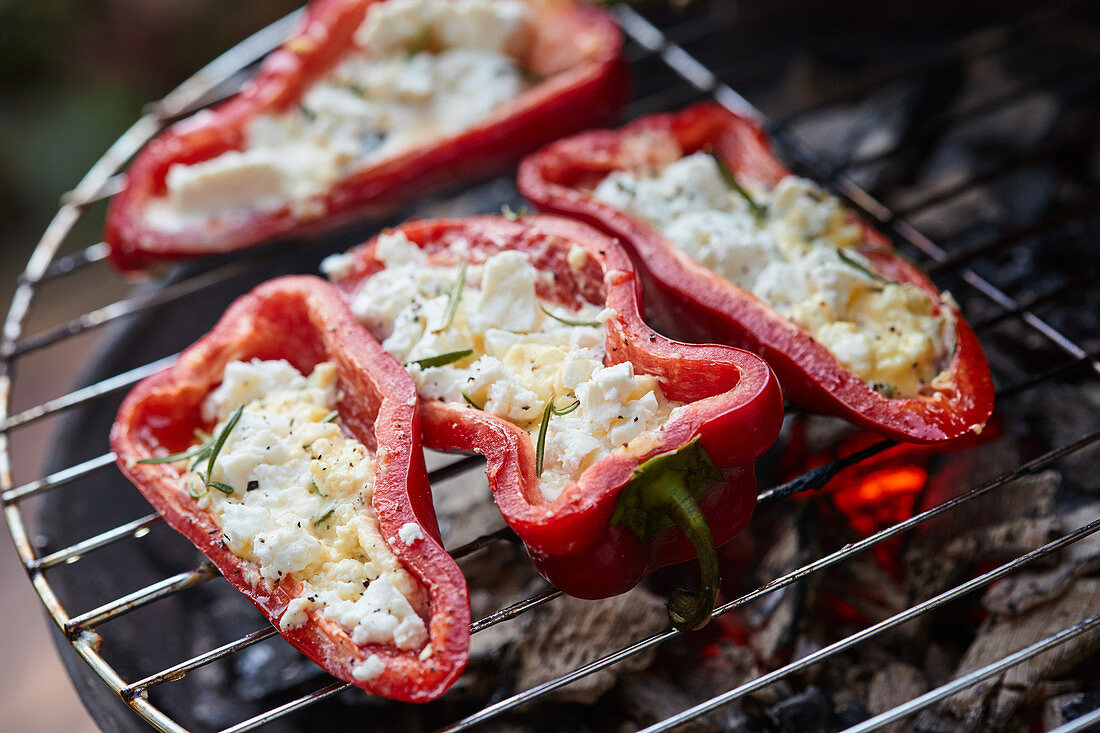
[74, 74]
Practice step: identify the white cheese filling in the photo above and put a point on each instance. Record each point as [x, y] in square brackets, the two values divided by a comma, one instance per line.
[301, 504]
[521, 357]
[421, 70]
[800, 259]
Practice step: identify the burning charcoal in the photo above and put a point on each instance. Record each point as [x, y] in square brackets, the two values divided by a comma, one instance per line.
[1014, 520]
[464, 505]
[648, 699]
[893, 685]
[998, 698]
[774, 617]
[568, 633]
[809, 711]
[939, 664]
[869, 590]
[1025, 590]
[498, 576]
[705, 671]
[1063, 414]
[1062, 709]
[850, 714]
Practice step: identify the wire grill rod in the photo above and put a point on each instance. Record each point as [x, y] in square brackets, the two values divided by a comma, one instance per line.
[209, 85]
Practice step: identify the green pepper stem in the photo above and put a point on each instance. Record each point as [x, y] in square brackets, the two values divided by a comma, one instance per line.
[668, 493]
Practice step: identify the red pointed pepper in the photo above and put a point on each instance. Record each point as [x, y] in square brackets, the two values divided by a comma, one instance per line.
[690, 301]
[303, 320]
[574, 48]
[691, 489]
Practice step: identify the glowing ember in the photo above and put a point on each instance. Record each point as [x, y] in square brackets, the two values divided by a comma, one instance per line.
[880, 498]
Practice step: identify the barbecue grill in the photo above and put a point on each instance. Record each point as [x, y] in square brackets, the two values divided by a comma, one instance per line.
[120, 616]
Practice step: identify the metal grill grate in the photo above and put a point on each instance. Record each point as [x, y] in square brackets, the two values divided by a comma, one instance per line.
[670, 73]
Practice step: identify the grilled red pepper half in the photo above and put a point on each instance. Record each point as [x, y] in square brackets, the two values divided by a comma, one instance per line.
[303, 320]
[573, 49]
[691, 488]
[690, 301]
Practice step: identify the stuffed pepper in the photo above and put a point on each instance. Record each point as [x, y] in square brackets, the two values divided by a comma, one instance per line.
[285, 444]
[368, 102]
[611, 450]
[734, 247]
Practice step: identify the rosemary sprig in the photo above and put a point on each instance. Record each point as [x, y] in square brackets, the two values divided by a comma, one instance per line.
[852, 263]
[758, 211]
[330, 417]
[470, 401]
[513, 214]
[453, 300]
[219, 443]
[540, 444]
[324, 517]
[441, 359]
[175, 457]
[224, 488]
[566, 321]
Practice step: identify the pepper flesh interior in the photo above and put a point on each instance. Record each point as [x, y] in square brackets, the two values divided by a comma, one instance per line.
[799, 255]
[523, 356]
[419, 70]
[300, 507]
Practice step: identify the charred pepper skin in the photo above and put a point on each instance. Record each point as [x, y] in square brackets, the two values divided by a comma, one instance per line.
[577, 50]
[691, 302]
[578, 542]
[303, 320]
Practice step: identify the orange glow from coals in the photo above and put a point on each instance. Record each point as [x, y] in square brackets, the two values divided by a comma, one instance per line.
[881, 498]
[876, 497]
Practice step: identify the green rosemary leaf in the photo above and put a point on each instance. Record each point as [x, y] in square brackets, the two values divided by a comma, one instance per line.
[566, 321]
[222, 437]
[453, 300]
[441, 359]
[513, 214]
[175, 457]
[540, 444]
[196, 489]
[324, 517]
[202, 455]
[852, 263]
[470, 401]
[567, 410]
[330, 417]
[758, 211]
[224, 488]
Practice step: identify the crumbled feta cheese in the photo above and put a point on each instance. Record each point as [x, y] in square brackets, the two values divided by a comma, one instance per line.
[368, 669]
[801, 260]
[522, 358]
[301, 504]
[423, 70]
[410, 532]
[338, 265]
[296, 613]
